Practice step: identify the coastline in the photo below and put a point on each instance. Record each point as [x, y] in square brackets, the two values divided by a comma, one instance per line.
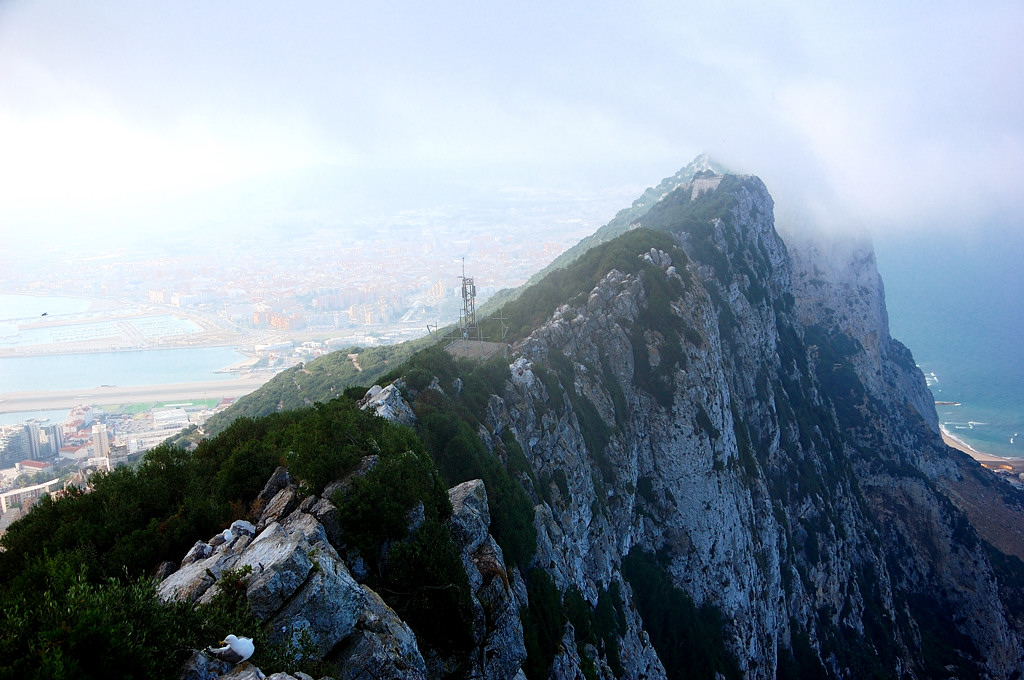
[987, 459]
[17, 402]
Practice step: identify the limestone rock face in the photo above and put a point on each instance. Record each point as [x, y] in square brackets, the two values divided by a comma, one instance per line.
[498, 629]
[388, 403]
[202, 666]
[767, 437]
[471, 518]
[299, 585]
[383, 647]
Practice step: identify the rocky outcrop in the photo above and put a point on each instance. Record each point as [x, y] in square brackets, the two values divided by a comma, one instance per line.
[498, 631]
[299, 586]
[388, 403]
[297, 583]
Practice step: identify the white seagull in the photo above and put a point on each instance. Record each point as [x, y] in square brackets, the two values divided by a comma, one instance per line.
[235, 649]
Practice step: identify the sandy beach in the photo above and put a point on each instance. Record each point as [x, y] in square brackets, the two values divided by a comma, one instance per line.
[988, 460]
[16, 402]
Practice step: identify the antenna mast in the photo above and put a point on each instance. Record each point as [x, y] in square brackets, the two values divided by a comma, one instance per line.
[470, 330]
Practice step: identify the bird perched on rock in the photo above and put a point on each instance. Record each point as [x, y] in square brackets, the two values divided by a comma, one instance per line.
[235, 649]
[223, 537]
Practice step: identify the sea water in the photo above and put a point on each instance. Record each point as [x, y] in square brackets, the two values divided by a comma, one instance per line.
[144, 367]
[957, 301]
[85, 371]
[16, 308]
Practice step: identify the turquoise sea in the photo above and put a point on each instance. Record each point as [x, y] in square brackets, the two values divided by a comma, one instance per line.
[958, 303]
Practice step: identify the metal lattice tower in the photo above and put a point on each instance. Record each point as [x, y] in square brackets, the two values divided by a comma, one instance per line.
[470, 330]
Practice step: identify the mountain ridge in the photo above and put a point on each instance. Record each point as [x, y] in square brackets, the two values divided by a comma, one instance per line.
[705, 455]
[291, 388]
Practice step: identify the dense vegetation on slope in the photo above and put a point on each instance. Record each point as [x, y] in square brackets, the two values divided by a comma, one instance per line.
[60, 621]
[537, 303]
[99, 547]
[448, 417]
[623, 221]
[321, 379]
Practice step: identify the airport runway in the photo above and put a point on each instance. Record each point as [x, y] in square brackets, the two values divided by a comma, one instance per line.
[17, 402]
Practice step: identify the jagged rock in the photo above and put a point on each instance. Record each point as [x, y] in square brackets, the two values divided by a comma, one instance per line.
[383, 647]
[201, 666]
[388, 403]
[200, 551]
[327, 514]
[194, 579]
[278, 507]
[241, 527]
[497, 627]
[567, 663]
[279, 480]
[280, 563]
[471, 519]
[504, 649]
[244, 672]
[164, 570]
[300, 585]
[325, 610]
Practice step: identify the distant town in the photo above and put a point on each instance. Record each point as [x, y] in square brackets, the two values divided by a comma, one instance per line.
[48, 457]
[277, 299]
[358, 286]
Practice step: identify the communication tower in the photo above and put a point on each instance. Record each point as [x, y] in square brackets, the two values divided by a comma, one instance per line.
[467, 323]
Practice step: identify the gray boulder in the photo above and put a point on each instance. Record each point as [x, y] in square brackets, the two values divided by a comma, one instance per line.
[383, 647]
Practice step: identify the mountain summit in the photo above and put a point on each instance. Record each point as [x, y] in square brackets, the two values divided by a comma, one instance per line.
[703, 456]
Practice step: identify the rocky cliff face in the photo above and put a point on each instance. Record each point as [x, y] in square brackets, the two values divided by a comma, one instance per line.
[731, 406]
[768, 439]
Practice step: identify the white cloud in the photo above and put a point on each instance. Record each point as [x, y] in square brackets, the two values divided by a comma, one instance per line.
[903, 113]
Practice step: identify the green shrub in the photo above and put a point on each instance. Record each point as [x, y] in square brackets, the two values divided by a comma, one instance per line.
[543, 623]
[58, 623]
[425, 583]
[376, 509]
[690, 641]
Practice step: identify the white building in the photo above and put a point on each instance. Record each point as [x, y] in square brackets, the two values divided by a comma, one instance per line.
[100, 441]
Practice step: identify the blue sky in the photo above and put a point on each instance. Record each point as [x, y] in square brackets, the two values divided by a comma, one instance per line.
[116, 115]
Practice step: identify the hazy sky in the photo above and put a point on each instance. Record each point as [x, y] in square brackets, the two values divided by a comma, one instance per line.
[114, 115]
